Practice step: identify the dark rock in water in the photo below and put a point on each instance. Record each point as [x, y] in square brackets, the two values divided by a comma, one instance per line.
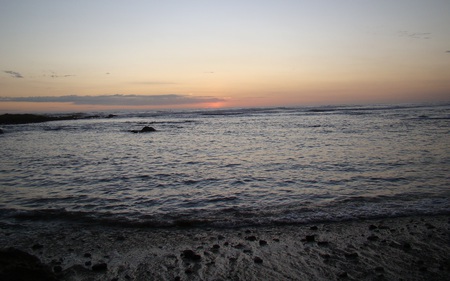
[372, 227]
[258, 260]
[100, 267]
[215, 246]
[111, 116]
[1, 131]
[19, 265]
[313, 228]
[88, 263]
[190, 255]
[146, 129]
[343, 275]
[262, 242]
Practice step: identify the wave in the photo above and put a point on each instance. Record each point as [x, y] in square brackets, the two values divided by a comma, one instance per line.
[343, 209]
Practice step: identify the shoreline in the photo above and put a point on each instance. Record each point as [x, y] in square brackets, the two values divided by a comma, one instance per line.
[404, 248]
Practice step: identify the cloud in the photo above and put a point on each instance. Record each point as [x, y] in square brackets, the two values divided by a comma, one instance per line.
[119, 100]
[60, 76]
[414, 35]
[14, 74]
[154, 83]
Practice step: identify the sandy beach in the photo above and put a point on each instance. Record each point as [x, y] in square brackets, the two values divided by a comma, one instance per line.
[408, 248]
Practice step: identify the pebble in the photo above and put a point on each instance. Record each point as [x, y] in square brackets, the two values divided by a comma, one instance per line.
[100, 267]
[57, 269]
[310, 238]
[258, 260]
[372, 238]
[351, 255]
[379, 269]
[37, 246]
[250, 238]
[191, 255]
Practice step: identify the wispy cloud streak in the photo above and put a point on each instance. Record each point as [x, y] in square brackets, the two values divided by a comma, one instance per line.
[414, 35]
[14, 74]
[119, 100]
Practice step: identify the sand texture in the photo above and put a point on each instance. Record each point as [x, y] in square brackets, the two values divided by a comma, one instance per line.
[408, 248]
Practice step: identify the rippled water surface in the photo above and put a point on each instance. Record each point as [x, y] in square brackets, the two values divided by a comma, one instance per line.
[230, 167]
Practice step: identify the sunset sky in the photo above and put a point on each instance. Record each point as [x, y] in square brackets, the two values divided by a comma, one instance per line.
[105, 54]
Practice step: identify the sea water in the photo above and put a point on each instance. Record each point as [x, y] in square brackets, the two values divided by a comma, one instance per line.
[229, 167]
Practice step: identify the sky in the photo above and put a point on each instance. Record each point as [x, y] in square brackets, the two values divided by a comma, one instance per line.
[107, 54]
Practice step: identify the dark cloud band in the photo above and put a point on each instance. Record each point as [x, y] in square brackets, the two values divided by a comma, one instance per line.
[119, 100]
[14, 74]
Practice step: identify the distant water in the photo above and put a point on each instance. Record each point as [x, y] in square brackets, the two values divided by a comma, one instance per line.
[231, 167]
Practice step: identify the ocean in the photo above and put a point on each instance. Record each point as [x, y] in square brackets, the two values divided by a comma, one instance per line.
[229, 167]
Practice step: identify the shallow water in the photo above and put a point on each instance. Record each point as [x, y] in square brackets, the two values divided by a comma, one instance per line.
[230, 167]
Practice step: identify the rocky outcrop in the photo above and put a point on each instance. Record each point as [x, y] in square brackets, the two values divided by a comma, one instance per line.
[146, 129]
[18, 265]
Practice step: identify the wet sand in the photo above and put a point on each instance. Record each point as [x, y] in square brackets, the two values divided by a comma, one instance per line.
[408, 248]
